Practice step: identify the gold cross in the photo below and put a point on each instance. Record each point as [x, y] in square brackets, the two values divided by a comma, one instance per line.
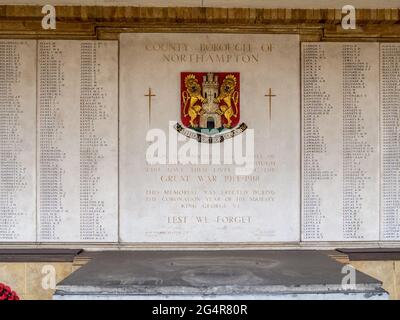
[270, 95]
[150, 95]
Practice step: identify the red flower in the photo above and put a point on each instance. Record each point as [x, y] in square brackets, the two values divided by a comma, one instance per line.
[6, 293]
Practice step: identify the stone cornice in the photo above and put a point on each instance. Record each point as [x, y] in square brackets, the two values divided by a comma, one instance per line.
[108, 22]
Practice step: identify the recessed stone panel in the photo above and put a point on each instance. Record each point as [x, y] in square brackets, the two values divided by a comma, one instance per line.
[209, 202]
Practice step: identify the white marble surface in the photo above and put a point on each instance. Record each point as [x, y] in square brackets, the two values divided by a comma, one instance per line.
[77, 141]
[270, 207]
[340, 142]
[17, 140]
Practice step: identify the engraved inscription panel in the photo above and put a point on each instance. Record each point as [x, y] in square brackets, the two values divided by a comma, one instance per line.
[17, 140]
[340, 141]
[77, 140]
[208, 202]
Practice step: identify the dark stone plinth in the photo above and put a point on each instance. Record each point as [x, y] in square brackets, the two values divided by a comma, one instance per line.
[372, 254]
[215, 275]
[38, 255]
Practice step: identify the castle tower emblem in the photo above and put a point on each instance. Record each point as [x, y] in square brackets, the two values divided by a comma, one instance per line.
[210, 101]
[211, 117]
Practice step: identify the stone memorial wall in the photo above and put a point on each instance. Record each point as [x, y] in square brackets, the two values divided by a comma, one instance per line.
[79, 120]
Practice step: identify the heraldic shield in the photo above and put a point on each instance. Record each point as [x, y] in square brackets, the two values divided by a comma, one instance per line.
[210, 101]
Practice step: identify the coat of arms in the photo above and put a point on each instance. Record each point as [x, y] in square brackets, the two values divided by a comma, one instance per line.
[210, 104]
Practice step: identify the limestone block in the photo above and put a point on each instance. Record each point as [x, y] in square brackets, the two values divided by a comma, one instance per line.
[381, 270]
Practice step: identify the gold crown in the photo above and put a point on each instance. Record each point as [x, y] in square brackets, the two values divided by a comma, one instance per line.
[231, 77]
[189, 78]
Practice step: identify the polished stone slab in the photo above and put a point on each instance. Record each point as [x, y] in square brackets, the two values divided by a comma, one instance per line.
[286, 274]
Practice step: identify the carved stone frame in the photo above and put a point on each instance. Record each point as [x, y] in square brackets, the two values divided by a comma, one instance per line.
[106, 23]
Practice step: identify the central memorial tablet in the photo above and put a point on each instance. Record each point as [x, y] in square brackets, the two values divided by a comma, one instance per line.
[209, 138]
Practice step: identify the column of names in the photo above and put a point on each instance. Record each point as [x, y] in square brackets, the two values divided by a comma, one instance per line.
[390, 141]
[340, 142]
[77, 141]
[17, 140]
